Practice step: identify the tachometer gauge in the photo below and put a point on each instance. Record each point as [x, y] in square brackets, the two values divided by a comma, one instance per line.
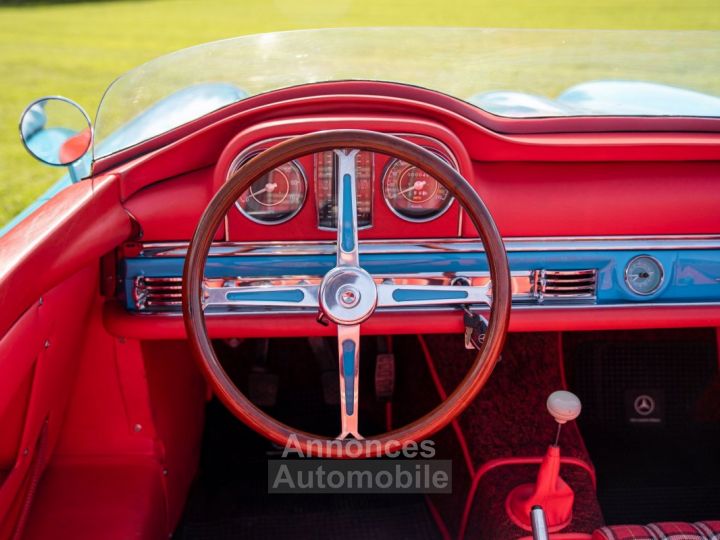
[644, 275]
[276, 197]
[326, 189]
[413, 194]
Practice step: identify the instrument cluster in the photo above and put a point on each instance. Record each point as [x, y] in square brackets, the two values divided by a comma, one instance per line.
[408, 192]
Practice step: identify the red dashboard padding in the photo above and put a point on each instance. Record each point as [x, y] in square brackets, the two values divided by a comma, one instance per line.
[73, 229]
[607, 182]
[599, 199]
[170, 210]
[667, 530]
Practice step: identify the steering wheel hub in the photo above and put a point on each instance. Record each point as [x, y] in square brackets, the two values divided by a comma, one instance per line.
[348, 295]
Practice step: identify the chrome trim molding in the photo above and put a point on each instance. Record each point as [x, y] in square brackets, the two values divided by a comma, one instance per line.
[157, 293]
[565, 285]
[165, 293]
[444, 245]
[234, 167]
[521, 307]
[447, 203]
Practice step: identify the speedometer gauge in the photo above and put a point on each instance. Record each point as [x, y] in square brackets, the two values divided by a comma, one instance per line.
[413, 194]
[276, 197]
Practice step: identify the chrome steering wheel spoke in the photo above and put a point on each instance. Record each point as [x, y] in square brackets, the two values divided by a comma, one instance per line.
[348, 294]
[347, 230]
[304, 296]
[431, 295]
[349, 359]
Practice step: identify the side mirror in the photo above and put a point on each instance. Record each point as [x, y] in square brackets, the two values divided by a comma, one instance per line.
[56, 131]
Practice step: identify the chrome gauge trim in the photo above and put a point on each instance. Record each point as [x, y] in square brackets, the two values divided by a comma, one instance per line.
[448, 203]
[659, 266]
[243, 158]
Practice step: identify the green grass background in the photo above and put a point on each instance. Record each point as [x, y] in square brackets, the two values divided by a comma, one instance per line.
[77, 49]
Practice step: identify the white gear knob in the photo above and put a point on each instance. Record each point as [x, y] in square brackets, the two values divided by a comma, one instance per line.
[564, 406]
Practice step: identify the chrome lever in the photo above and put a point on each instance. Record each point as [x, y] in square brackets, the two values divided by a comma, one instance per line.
[538, 523]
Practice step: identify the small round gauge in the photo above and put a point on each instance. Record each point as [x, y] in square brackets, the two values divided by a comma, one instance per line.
[644, 275]
[276, 197]
[413, 194]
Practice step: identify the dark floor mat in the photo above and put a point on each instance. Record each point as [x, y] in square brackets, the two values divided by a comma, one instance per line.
[351, 517]
[650, 421]
[230, 501]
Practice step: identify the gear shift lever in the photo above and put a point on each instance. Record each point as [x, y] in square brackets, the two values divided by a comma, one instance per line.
[549, 490]
[563, 406]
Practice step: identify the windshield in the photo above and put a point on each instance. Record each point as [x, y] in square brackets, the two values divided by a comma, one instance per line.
[513, 73]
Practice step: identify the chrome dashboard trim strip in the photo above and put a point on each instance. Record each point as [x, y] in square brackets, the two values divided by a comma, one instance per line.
[443, 245]
[164, 293]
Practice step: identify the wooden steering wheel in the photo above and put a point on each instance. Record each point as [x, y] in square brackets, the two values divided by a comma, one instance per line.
[347, 295]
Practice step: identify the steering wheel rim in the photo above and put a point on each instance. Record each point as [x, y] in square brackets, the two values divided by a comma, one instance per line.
[192, 293]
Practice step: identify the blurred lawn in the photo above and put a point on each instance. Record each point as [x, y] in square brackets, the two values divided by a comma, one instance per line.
[77, 49]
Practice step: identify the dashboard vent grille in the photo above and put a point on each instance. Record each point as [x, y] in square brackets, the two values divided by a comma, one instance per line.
[565, 285]
[157, 293]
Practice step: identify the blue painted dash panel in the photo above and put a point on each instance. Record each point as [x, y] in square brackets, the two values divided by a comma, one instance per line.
[418, 295]
[292, 295]
[690, 275]
[348, 230]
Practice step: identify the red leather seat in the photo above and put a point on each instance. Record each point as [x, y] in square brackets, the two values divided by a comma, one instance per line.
[668, 530]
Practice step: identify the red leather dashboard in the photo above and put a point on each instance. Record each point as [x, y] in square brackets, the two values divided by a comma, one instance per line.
[582, 184]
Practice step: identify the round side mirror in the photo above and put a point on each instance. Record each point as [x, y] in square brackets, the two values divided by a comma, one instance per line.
[56, 131]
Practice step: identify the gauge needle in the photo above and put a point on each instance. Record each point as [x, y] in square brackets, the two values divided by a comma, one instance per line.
[418, 185]
[641, 275]
[269, 187]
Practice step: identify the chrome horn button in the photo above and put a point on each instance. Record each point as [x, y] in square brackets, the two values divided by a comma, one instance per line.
[348, 295]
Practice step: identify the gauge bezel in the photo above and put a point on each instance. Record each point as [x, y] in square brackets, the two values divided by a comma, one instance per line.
[390, 164]
[243, 158]
[659, 266]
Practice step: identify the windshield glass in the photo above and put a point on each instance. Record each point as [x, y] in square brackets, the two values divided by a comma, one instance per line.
[512, 73]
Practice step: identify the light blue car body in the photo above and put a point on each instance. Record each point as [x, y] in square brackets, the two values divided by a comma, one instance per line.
[602, 98]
